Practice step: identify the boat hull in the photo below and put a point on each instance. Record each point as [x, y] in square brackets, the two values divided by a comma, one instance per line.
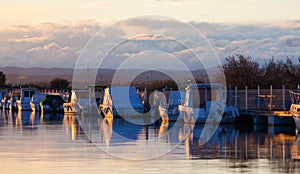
[110, 111]
[106, 111]
[24, 106]
[71, 108]
[295, 111]
[163, 114]
[216, 115]
[296, 118]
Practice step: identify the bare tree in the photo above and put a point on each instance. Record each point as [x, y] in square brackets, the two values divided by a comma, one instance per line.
[274, 74]
[291, 73]
[241, 71]
[2, 79]
[59, 83]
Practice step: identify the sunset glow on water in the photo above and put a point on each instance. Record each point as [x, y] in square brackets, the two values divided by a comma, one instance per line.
[57, 144]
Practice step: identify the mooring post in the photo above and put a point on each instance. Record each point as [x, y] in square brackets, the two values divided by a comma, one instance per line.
[246, 91]
[271, 96]
[230, 95]
[283, 97]
[235, 97]
[258, 98]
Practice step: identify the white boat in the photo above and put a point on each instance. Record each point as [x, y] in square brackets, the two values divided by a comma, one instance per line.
[163, 112]
[5, 100]
[121, 101]
[23, 103]
[205, 103]
[295, 107]
[106, 106]
[12, 103]
[46, 103]
[73, 106]
[85, 100]
[169, 107]
[35, 101]
[174, 100]
[9, 100]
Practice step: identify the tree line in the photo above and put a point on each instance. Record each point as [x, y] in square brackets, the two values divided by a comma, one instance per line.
[241, 71]
[55, 83]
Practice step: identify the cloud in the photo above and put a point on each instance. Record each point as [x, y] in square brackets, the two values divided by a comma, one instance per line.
[49, 47]
[45, 44]
[50, 44]
[261, 41]
[33, 39]
[290, 41]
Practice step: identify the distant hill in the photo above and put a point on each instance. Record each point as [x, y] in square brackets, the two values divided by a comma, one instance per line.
[34, 71]
[17, 75]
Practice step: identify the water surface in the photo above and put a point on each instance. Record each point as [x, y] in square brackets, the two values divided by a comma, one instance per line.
[54, 143]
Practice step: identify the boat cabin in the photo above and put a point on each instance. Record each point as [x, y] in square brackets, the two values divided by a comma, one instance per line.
[25, 97]
[122, 101]
[202, 95]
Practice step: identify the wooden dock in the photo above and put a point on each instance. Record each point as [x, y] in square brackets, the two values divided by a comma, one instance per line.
[272, 118]
[266, 113]
[263, 106]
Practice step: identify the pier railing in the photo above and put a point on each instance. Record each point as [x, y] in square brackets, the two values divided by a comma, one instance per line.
[243, 99]
[259, 99]
[65, 94]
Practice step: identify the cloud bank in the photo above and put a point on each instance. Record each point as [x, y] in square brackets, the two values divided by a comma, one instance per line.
[45, 44]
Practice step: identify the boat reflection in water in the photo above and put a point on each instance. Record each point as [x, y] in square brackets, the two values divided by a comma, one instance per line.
[233, 149]
[7, 118]
[125, 139]
[228, 142]
[72, 127]
[52, 118]
[27, 120]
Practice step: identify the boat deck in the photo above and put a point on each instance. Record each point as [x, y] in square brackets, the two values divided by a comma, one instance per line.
[266, 113]
[269, 117]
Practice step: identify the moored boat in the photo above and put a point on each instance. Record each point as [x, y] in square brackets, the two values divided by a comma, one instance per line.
[168, 106]
[46, 103]
[206, 103]
[72, 107]
[163, 111]
[295, 106]
[117, 103]
[84, 100]
[23, 103]
[4, 101]
[174, 100]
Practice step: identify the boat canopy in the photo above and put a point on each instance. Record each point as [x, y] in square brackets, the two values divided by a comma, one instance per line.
[295, 96]
[36, 98]
[52, 100]
[205, 85]
[176, 97]
[47, 99]
[122, 97]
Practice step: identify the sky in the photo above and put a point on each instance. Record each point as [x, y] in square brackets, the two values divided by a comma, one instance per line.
[39, 33]
[24, 12]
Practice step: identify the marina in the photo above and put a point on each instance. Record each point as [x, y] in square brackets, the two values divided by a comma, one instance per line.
[240, 106]
[253, 142]
[262, 106]
[150, 87]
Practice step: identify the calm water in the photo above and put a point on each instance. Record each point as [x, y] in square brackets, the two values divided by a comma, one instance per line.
[30, 143]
